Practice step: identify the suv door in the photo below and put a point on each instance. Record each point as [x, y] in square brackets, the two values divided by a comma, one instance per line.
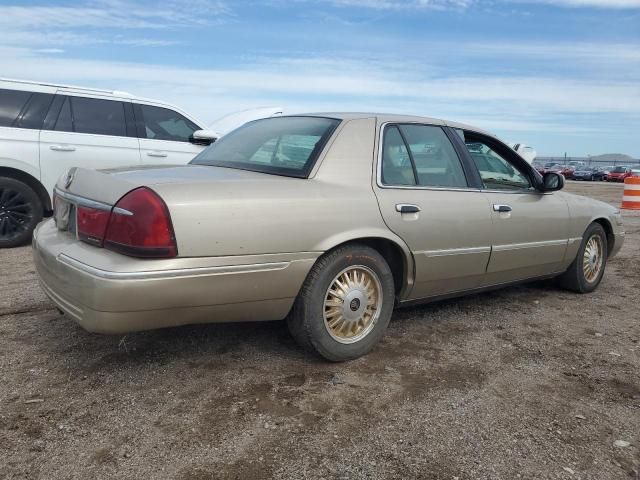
[86, 132]
[427, 197]
[530, 233]
[165, 135]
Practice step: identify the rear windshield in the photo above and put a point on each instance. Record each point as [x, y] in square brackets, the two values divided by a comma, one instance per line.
[281, 146]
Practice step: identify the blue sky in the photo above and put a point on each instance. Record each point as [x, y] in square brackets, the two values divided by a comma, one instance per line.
[561, 75]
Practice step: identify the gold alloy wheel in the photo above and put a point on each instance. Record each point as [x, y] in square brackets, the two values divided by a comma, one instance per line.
[352, 304]
[593, 258]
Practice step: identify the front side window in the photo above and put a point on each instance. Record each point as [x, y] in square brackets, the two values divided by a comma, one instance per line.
[496, 172]
[420, 155]
[11, 104]
[164, 124]
[281, 145]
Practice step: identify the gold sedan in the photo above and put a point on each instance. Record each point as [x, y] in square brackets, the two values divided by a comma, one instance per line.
[326, 220]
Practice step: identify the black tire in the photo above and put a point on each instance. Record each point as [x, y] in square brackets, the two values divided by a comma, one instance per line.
[307, 319]
[574, 278]
[20, 212]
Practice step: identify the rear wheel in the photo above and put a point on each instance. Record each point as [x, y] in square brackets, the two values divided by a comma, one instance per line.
[20, 212]
[586, 271]
[345, 304]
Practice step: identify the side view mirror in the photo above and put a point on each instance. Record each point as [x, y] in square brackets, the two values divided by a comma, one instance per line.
[203, 137]
[552, 182]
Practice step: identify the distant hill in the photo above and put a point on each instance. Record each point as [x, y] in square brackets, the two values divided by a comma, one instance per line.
[612, 157]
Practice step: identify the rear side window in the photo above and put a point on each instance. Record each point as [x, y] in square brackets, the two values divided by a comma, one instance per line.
[102, 117]
[33, 114]
[397, 168]
[164, 124]
[11, 104]
[421, 151]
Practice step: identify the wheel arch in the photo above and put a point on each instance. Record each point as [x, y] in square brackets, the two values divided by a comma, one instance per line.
[395, 252]
[608, 229]
[32, 182]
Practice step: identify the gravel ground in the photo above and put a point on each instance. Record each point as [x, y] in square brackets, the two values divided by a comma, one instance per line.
[526, 382]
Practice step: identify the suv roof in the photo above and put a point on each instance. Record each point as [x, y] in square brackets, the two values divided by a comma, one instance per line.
[74, 88]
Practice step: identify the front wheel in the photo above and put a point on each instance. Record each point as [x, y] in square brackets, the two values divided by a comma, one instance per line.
[345, 304]
[20, 212]
[586, 271]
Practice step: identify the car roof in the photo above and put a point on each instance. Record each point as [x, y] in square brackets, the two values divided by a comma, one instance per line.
[393, 117]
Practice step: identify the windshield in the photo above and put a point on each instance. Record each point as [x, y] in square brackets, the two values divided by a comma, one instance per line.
[619, 170]
[281, 146]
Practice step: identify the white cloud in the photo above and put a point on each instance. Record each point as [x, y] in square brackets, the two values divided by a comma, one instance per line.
[464, 4]
[588, 3]
[94, 23]
[330, 84]
[110, 14]
[403, 4]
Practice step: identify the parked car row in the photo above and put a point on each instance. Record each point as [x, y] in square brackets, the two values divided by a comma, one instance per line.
[579, 171]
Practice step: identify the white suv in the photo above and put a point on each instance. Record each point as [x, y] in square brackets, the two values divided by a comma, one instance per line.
[46, 129]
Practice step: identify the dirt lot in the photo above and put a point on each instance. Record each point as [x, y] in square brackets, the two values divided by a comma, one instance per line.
[527, 382]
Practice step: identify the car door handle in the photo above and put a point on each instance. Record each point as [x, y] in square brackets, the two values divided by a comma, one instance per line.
[502, 208]
[63, 148]
[156, 153]
[407, 208]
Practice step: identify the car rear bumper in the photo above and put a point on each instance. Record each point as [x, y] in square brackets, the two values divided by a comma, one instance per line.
[108, 293]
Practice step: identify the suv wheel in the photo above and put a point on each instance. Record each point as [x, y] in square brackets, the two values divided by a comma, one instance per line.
[345, 304]
[20, 212]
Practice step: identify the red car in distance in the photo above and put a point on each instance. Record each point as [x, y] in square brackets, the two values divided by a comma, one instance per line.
[618, 174]
[566, 170]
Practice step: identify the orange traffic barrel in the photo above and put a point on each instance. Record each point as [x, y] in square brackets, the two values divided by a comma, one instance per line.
[631, 195]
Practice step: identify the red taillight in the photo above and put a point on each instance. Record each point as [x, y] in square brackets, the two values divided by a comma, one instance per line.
[140, 226]
[92, 224]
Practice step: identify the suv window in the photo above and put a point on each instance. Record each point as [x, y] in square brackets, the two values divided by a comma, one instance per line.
[164, 124]
[33, 114]
[102, 117]
[11, 104]
[64, 122]
[92, 115]
[423, 152]
[496, 172]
